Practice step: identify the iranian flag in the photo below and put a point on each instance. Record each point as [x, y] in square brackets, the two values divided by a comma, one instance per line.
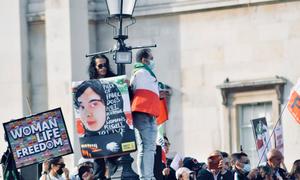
[160, 120]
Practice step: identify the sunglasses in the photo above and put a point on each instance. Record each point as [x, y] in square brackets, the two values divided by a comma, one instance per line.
[62, 165]
[100, 66]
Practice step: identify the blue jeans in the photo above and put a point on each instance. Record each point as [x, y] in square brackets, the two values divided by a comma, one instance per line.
[146, 131]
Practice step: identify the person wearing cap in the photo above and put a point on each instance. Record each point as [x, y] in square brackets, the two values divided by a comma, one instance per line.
[192, 164]
[82, 162]
[184, 173]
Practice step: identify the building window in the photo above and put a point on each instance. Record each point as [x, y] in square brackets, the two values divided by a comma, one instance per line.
[247, 112]
[244, 101]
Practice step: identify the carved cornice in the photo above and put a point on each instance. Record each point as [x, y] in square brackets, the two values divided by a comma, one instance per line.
[229, 87]
[97, 8]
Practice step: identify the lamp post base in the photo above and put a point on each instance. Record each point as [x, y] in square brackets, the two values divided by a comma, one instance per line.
[124, 171]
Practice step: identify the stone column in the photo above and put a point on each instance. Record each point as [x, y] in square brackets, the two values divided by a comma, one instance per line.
[14, 62]
[66, 23]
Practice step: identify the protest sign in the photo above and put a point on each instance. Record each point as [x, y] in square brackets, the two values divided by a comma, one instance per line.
[38, 137]
[261, 136]
[175, 164]
[103, 117]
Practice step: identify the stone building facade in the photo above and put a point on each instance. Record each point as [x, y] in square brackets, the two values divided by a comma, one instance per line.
[226, 61]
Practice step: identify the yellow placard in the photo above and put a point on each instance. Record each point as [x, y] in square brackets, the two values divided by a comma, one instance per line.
[128, 146]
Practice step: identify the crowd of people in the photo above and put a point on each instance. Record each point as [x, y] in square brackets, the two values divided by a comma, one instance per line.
[145, 98]
[221, 166]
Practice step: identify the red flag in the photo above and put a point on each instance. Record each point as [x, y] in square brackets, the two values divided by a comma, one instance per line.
[294, 102]
[163, 112]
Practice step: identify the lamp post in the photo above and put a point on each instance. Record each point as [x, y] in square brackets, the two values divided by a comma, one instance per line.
[118, 11]
[122, 9]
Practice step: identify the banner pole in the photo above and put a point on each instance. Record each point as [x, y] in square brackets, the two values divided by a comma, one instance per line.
[28, 105]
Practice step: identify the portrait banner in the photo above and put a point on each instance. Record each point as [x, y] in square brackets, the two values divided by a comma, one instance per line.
[38, 137]
[103, 117]
[261, 137]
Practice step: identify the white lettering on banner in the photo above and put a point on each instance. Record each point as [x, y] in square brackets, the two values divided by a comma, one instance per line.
[36, 148]
[20, 132]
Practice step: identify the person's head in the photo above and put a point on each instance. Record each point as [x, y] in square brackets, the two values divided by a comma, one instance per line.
[213, 160]
[184, 173]
[167, 144]
[145, 56]
[275, 158]
[265, 172]
[99, 67]
[241, 162]
[56, 165]
[226, 160]
[85, 173]
[192, 164]
[90, 100]
[85, 162]
[296, 168]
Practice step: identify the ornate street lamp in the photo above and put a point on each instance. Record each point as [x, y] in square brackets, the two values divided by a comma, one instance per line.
[120, 10]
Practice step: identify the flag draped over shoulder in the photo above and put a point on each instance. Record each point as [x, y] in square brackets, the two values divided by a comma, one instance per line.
[294, 102]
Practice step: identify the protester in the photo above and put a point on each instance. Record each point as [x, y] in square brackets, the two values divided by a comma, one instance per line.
[145, 107]
[263, 173]
[168, 172]
[192, 164]
[99, 67]
[82, 162]
[241, 165]
[226, 161]
[184, 173]
[295, 171]
[275, 158]
[216, 169]
[85, 173]
[53, 169]
[9, 167]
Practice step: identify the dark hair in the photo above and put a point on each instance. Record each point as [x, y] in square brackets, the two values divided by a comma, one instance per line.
[294, 169]
[82, 170]
[142, 53]
[95, 85]
[224, 154]
[93, 73]
[238, 155]
[54, 161]
[265, 169]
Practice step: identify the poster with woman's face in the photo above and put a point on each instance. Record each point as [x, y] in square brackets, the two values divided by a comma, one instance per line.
[261, 137]
[103, 117]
